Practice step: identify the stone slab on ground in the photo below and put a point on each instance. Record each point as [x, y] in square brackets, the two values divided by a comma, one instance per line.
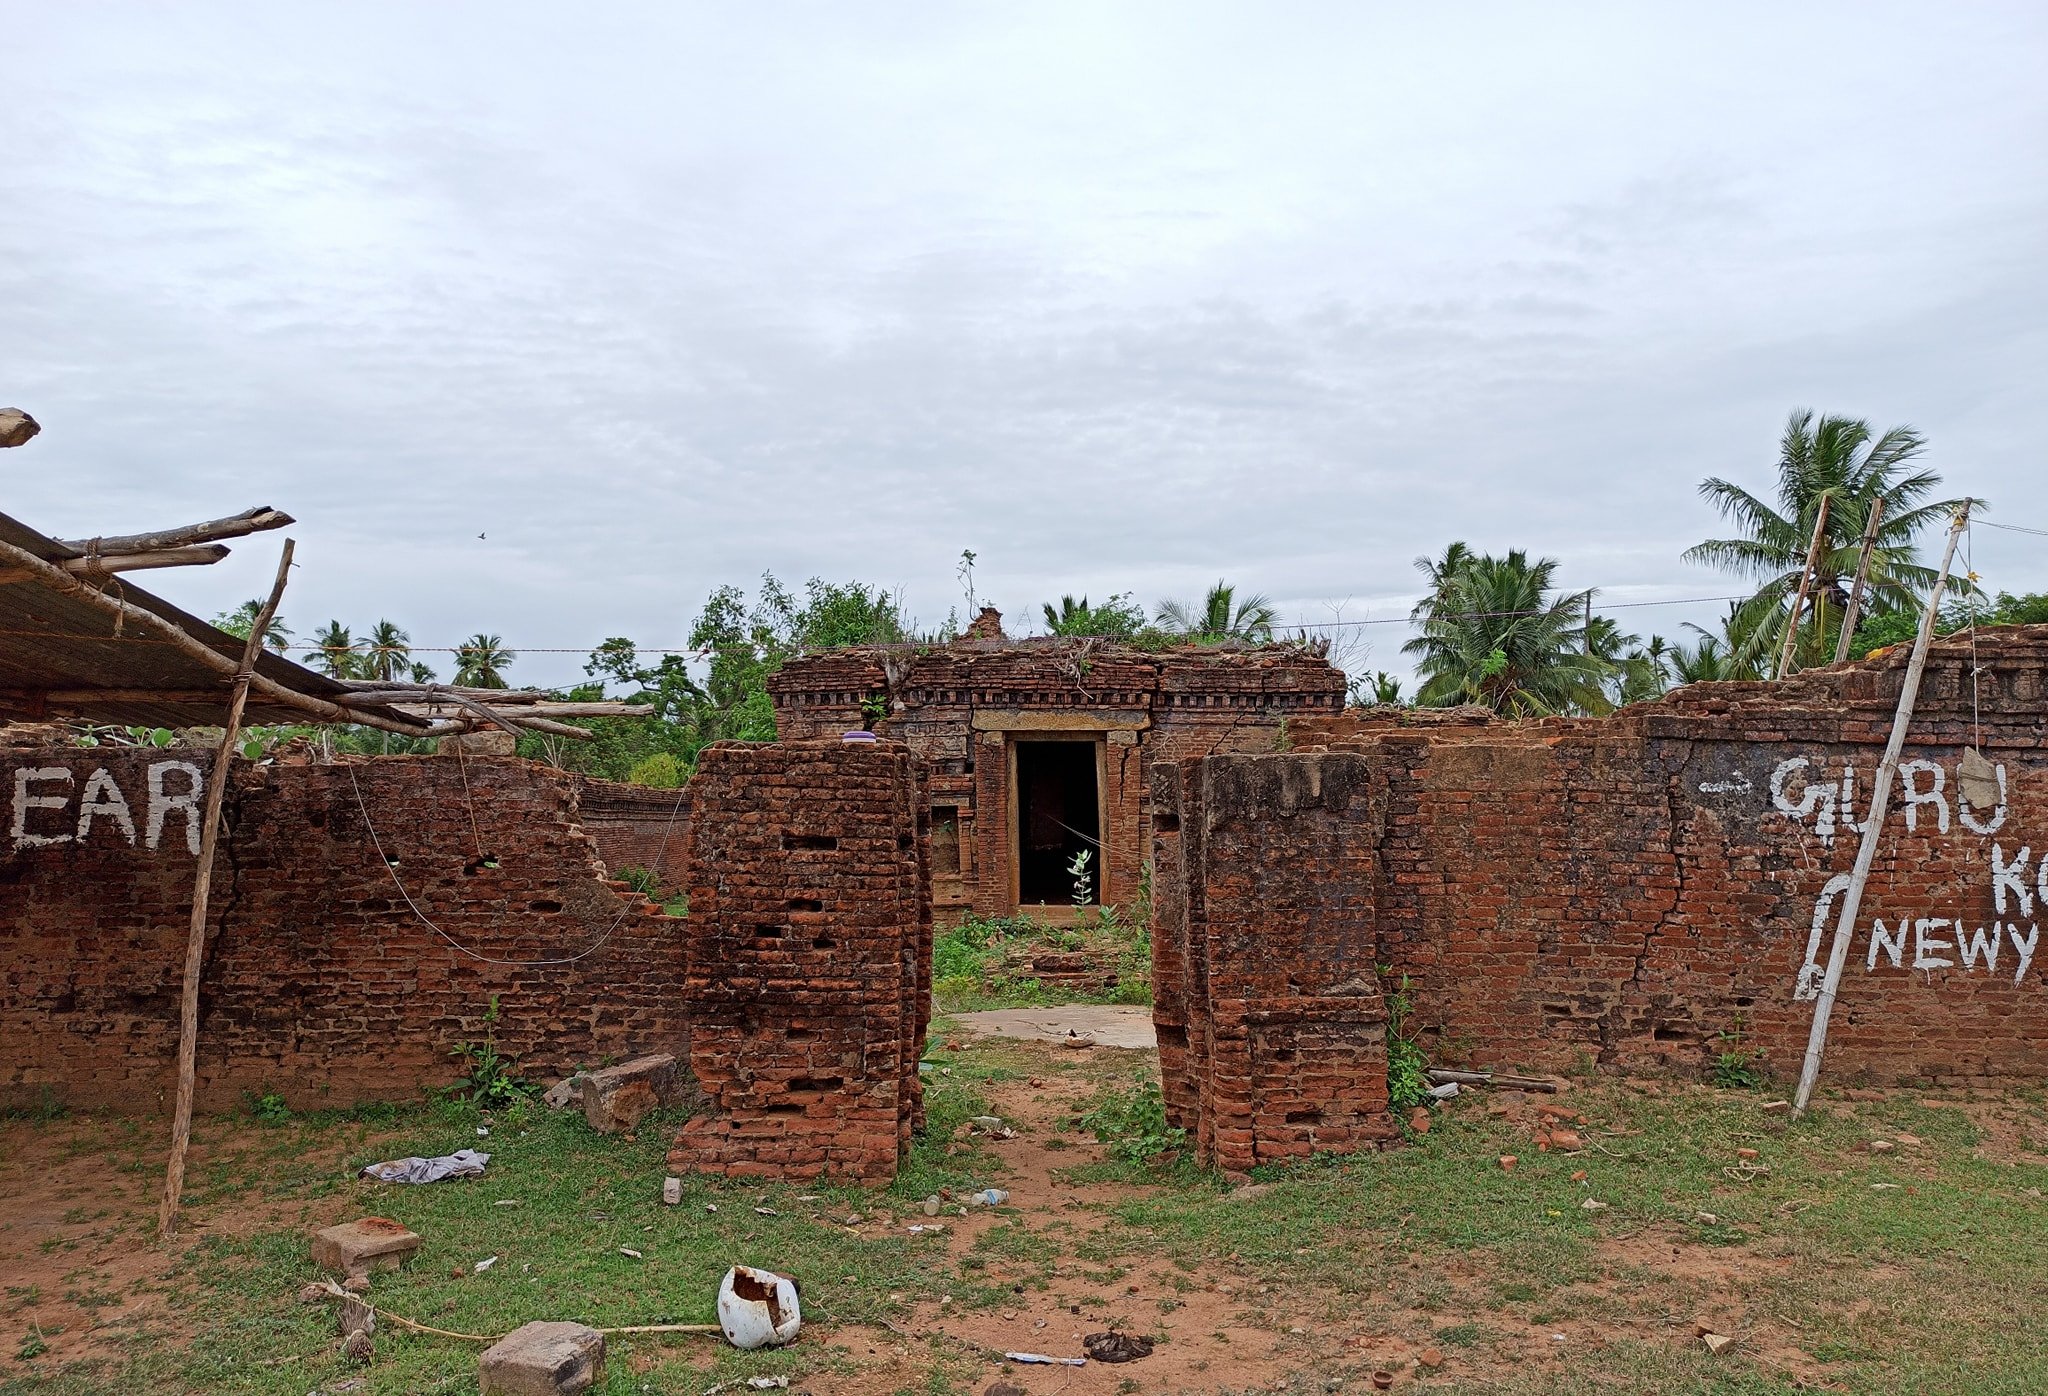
[1111, 1025]
[617, 1098]
[542, 1359]
[368, 1243]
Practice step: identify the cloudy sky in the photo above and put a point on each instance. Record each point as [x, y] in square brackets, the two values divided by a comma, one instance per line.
[1122, 297]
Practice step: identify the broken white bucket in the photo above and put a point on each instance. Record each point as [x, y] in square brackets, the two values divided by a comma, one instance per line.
[758, 1308]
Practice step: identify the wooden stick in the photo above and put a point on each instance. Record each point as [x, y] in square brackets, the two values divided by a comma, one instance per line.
[106, 563]
[1873, 827]
[1849, 616]
[257, 520]
[1820, 527]
[1441, 1075]
[57, 579]
[202, 887]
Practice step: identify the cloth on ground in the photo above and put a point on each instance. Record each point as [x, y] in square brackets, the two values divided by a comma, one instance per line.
[463, 1163]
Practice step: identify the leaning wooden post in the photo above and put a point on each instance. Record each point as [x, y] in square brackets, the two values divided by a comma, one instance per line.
[1820, 529]
[195, 939]
[1855, 609]
[1873, 828]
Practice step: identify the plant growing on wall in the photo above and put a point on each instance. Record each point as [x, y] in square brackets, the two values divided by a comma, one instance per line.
[490, 1083]
[1407, 1079]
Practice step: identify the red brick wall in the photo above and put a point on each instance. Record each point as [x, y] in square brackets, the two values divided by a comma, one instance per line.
[1631, 888]
[810, 952]
[320, 984]
[1272, 1026]
[636, 826]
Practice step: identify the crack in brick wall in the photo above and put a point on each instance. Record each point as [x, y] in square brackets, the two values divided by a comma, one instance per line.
[1626, 888]
[319, 983]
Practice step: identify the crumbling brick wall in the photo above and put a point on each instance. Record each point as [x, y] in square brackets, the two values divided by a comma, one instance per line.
[810, 953]
[637, 827]
[1659, 886]
[321, 984]
[1271, 1023]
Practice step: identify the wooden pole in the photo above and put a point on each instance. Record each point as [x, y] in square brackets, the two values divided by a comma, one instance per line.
[1850, 616]
[1820, 527]
[202, 886]
[1873, 827]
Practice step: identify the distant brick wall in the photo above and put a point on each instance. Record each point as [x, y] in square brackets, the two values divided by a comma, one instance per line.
[810, 947]
[1631, 888]
[637, 826]
[320, 984]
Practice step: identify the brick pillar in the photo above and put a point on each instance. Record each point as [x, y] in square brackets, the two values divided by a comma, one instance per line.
[809, 930]
[1292, 1055]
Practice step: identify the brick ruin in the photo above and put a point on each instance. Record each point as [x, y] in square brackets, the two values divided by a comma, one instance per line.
[810, 953]
[1036, 750]
[1637, 891]
[321, 984]
[1641, 890]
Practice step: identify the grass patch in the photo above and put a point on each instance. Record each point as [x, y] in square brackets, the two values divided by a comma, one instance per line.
[985, 962]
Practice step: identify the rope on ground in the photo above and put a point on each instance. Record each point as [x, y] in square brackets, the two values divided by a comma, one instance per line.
[336, 1291]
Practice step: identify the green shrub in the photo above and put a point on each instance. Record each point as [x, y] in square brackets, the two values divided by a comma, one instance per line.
[1407, 1081]
[1132, 1122]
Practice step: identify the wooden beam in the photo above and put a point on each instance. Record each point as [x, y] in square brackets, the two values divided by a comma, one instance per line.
[16, 427]
[107, 563]
[202, 887]
[1873, 828]
[318, 709]
[1820, 531]
[1855, 608]
[258, 520]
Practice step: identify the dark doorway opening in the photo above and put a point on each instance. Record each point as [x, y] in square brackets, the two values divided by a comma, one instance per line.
[1059, 816]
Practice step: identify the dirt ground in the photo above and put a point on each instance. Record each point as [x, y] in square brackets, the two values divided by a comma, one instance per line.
[78, 1264]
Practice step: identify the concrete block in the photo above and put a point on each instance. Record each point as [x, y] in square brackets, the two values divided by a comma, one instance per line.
[542, 1359]
[369, 1243]
[617, 1098]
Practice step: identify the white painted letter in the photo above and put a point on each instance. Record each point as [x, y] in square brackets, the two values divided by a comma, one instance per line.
[103, 798]
[1968, 811]
[1807, 986]
[1893, 945]
[1923, 942]
[1916, 797]
[1984, 942]
[162, 802]
[1817, 800]
[2013, 875]
[1848, 800]
[2025, 947]
[24, 802]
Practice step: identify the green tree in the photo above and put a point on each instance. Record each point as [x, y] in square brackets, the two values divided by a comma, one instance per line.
[1221, 616]
[481, 661]
[334, 652]
[1118, 618]
[1837, 459]
[1496, 633]
[240, 621]
[389, 656]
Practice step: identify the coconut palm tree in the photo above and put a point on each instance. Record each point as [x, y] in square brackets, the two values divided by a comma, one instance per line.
[1221, 616]
[1495, 633]
[334, 652]
[481, 661]
[390, 652]
[240, 621]
[1836, 459]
